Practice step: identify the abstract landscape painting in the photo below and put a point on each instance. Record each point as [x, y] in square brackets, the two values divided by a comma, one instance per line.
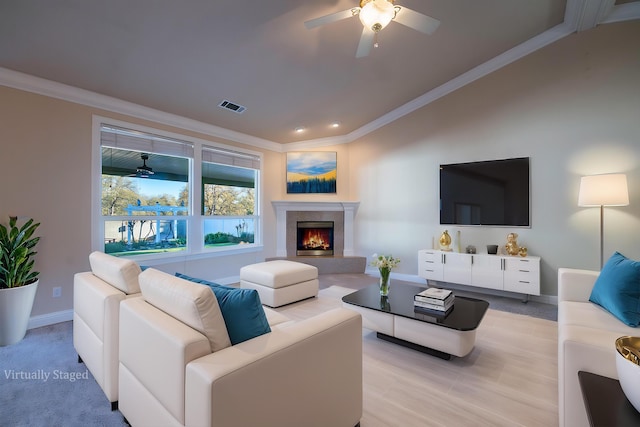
[311, 172]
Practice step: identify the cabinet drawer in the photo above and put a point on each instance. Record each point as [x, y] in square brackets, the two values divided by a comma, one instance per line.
[430, 265]
[522, 286]
[509, 273]
[430, 257]
[433, 272]
[522, 277]
[522, 265]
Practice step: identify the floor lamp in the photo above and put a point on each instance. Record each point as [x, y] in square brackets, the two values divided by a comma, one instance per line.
[603, 190]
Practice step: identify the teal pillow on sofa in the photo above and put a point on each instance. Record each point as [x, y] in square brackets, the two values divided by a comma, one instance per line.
[617, 289]
[241, 309]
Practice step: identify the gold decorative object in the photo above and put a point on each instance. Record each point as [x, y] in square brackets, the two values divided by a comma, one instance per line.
[445, 241]
[512, 244]
[522, 251]
[628, 368]
[629, 348]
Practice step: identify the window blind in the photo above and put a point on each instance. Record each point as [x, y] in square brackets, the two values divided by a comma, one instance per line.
[114, 137]
[230, 158]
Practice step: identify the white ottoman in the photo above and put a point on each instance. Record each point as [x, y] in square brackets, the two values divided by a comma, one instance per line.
[280, 282]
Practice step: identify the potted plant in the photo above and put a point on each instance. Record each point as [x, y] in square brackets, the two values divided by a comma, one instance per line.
[18, 280]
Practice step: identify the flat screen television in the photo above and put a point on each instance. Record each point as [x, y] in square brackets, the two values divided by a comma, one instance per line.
[493, 192]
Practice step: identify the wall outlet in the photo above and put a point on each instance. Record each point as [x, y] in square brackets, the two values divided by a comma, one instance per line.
[57, 292]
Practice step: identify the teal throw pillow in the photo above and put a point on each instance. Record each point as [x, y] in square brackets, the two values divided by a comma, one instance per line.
[617, 289]
[241, 309]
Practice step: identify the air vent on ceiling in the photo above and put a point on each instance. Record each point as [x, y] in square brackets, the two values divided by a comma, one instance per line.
[231, 106]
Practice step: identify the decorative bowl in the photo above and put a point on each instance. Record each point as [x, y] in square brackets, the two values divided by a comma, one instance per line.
[628, 367]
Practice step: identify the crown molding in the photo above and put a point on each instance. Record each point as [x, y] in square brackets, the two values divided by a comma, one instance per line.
[582, 15]
[579, 15]
[481, 70]
[316, 143]
[29, 83]
[623, 12]
[574, 18]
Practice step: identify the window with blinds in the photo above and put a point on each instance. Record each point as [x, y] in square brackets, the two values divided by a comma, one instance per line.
[229, 196]
[147, 203]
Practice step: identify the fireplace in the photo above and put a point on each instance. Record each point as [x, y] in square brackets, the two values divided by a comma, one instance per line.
[288, 213]
[314, 238]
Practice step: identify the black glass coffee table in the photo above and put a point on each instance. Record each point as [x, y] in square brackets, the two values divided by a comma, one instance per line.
[394, 319]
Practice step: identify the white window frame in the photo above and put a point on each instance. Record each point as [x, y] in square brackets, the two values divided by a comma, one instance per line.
[195, 220]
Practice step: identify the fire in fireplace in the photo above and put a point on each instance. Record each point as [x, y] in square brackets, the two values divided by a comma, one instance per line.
[315, 238]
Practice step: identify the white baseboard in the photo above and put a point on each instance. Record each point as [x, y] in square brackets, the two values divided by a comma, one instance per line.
[50, 319]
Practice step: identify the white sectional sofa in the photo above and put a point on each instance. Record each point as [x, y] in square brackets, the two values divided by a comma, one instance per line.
[586, 341]
[177, 366]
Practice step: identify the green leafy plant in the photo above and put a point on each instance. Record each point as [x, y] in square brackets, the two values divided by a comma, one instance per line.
[16, 253]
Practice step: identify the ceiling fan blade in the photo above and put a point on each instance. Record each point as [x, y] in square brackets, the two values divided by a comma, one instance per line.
[313, 23]
[366, 43]
[417, 21]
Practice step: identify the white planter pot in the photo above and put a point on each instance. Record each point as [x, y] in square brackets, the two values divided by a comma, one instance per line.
[15, 311]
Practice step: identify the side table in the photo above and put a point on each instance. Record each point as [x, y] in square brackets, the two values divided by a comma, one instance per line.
[606, 404]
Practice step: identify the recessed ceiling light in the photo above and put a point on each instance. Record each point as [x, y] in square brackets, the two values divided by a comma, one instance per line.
[299, 129]
[335, 125]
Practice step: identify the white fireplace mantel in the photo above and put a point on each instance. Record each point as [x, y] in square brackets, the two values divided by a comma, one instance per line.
[282, 206]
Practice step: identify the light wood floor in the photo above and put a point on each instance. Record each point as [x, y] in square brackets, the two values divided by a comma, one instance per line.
[509, 379]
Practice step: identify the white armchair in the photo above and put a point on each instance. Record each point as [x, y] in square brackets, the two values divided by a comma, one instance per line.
[301, 373]
[96, 311]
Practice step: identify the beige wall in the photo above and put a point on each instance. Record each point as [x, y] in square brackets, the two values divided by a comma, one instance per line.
[45, 170]
[45, 165]
[572, 107]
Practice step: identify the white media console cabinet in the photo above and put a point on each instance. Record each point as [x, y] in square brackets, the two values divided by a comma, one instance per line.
[502, 272]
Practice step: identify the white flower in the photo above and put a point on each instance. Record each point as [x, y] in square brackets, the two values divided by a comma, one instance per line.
[384, 261]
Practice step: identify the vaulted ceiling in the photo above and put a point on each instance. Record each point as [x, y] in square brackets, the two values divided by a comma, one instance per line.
[186, 57]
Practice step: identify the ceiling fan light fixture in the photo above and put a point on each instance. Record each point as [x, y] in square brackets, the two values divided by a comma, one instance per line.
[144, 171]
[376, 14]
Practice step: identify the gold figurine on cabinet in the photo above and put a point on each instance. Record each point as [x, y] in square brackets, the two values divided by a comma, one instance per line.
[512, 247]
[445, 241]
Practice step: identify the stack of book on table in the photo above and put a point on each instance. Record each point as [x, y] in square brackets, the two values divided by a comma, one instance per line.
[434, 301]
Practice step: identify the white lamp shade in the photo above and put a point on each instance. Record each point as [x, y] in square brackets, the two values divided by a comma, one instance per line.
[604, 190]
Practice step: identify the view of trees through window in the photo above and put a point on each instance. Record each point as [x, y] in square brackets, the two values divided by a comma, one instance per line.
[230, 202]
[143, 206]
[146, 204]
[130, 196]
[118, 193]
[225, 200]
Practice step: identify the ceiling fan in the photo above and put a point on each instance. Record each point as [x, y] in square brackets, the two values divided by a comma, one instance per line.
[144, 171]
[375, 15]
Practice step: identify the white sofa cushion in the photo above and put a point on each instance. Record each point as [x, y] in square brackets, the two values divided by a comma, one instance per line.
[191, 303]
[120, 273]
[591, 316]
[278, 273]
